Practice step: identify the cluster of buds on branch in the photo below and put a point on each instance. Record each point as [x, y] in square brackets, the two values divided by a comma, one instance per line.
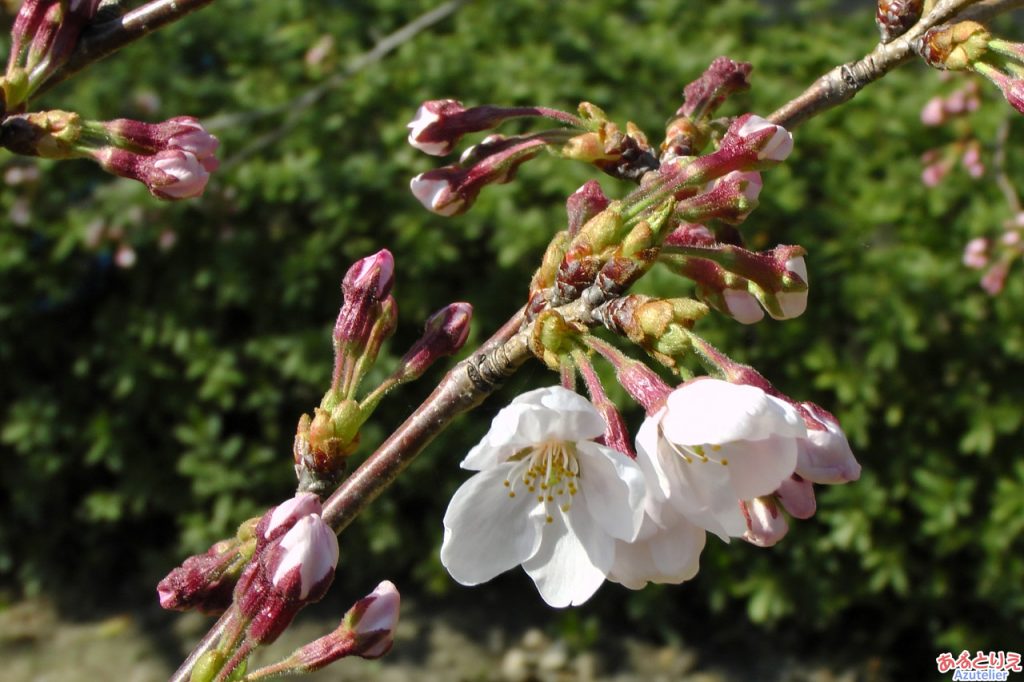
[968, 46]
[173, 159]
[367, 318]
[280, 562]
[561, 489]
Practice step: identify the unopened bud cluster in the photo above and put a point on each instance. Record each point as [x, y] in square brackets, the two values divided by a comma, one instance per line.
[173, 159]
[367, 318]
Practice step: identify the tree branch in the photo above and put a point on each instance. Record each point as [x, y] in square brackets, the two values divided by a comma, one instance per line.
[103, 39]
[843, 82]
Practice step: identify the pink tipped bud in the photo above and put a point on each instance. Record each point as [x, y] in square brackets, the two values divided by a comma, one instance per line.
[367, 630]
[444, 334]
[437, 190]
[584, 204]
[452, 189]
[171, 174]
[439, 124]
[295, 570]
[728, 199]
[280, 519]
[203, 582]
[721, 79]
[793, 299]
[824, 456]
[302, 564]
[374, 619]
[362, 322]
[759, 137]
[742, 306]
[372, 276]
[796, 496]
[766, 524]
[183, 133]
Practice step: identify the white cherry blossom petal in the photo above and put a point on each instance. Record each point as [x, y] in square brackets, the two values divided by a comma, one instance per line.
[759, 467]
[572, 560]
[711, 411]
[612, 487]
[488, 532]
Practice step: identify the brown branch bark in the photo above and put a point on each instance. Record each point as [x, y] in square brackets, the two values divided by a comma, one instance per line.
[843, 82]
[101, 40]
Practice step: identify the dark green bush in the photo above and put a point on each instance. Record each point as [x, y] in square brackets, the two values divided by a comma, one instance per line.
[145, 411]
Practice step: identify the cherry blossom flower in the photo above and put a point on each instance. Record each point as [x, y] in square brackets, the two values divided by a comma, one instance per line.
[715, 444]
[546, 497]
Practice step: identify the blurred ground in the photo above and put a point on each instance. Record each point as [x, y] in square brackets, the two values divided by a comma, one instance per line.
[451, 644]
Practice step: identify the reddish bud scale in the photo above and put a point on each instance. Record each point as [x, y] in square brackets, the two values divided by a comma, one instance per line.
[953, 47]
[29, 18]
[723, 78]
[895, 17]
[584, 204]
[691, 234]
[202, 582]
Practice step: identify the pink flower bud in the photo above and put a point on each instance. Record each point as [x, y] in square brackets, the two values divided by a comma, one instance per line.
[444, 334]
[365, 287]
[372, 276]
[825, 455]
[934, 112]
[295, 570]
[794, 303]
[302, 564]
[796, 496]
[971, 160]
[175, 174]
[367, 630]
[728, 199]
[171, 174]
[767, 140]
[434, 129]
[203, 582]
[766, 524]
[437, 191]
[452, 189]
[183, 133]
[721, 79]
[742, 306]
[584, 204]
[994, 280]
[279, 520]
[375, 627]
[691, 234]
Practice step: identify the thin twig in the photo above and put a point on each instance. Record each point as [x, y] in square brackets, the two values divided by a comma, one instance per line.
[843, 82]
[101, 40]
[1003, 181]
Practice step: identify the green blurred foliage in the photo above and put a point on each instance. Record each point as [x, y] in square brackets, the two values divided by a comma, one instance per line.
[146, 410]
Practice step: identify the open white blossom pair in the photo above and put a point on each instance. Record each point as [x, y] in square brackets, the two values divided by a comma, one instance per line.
[574, 513]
